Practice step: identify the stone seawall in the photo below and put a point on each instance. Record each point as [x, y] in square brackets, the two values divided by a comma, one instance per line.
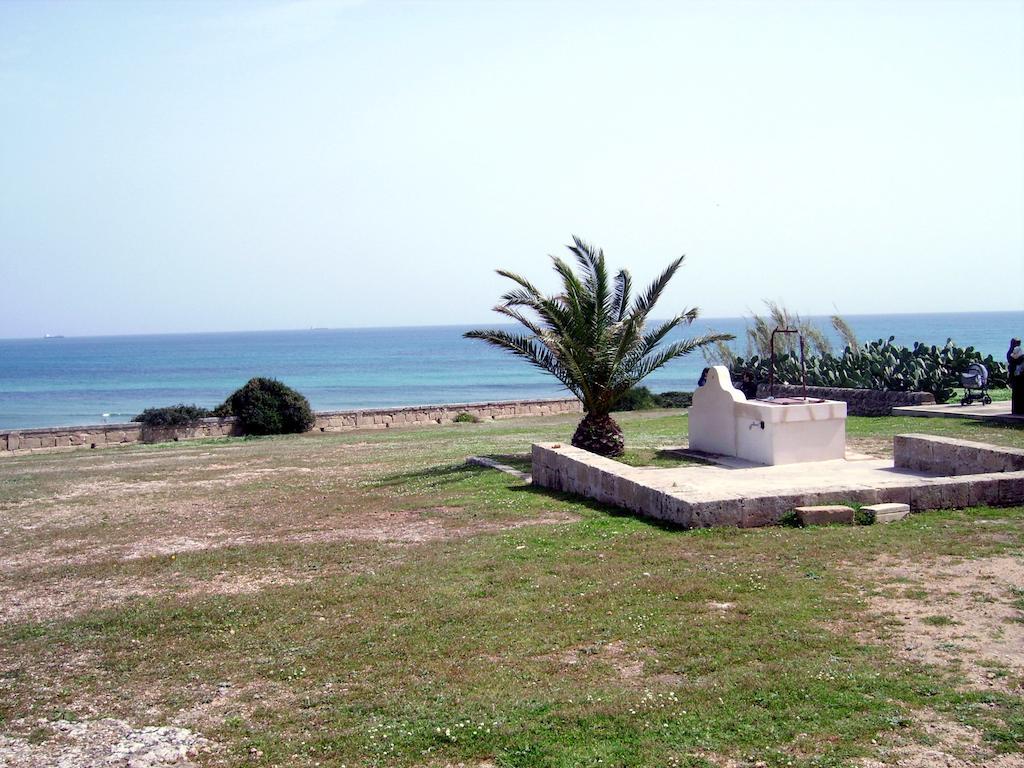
[859, 402]
[103, 435]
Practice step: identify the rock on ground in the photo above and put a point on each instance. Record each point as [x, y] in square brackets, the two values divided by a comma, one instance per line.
[106, 743]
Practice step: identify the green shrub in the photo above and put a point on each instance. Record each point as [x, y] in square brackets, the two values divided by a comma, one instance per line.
[636, 399]
[268, 407]
[673, 399]
[642, 399]
[862, 516]
[466, 418]
[223, 410]
[879, 365]
[790, 519]
[179, 415]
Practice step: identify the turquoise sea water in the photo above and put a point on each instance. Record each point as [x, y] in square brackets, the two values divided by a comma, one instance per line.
[50, 382]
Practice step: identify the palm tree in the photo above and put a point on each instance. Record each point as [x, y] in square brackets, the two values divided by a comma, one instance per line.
[592, 337]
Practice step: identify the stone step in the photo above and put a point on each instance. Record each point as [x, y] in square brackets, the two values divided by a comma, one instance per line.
[888, 513]
[825, 514]
[483, 461]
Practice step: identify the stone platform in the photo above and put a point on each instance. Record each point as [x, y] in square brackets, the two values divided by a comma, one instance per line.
[998, 412]
[749, 495]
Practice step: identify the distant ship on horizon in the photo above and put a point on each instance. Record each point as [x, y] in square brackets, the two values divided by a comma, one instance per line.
[53, 336]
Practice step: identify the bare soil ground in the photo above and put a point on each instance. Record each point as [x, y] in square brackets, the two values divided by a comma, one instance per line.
[188, 501]
[965, 615]
[961, 613]
[939, 742]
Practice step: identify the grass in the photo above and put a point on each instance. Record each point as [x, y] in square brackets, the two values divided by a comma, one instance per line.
[371, 600]
[999, 395]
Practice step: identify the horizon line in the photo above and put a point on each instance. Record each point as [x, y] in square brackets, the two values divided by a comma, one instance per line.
[315, 329]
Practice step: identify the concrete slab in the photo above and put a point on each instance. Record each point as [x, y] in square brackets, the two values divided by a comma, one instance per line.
[825, 514]
[888, 513]
[999, 412]
[712, 482]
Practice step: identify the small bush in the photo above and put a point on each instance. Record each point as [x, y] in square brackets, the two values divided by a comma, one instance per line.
[268, 407]
[790, 519]
[466, 418]
[636, 399]
[863, 516]
[179, 415]
[223, 410]
[673, 399]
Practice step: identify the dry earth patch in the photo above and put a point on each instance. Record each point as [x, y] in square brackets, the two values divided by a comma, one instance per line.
[965, 615]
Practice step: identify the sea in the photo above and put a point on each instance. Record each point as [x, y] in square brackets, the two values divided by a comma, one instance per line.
[104, 379]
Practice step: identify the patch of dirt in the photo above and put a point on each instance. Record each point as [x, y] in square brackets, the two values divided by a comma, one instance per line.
[44, 598]
[106, 742]
[215, 703]
[629, 667]
[879, 447]
[957, 613]
[950, 745]
[69, 597]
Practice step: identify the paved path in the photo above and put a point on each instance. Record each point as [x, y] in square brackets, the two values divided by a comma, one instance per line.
[998, 411]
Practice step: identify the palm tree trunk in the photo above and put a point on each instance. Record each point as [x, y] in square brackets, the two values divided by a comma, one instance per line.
[598, 433]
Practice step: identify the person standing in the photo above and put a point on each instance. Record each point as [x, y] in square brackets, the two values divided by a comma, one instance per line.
[1015, 377]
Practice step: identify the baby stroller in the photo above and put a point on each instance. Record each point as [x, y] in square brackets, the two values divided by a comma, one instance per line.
[975, 383]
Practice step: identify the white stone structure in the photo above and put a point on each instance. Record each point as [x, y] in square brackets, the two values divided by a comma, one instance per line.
[784, 431]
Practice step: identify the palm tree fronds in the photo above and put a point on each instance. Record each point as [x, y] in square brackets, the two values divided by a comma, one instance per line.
[646, 301]
[623, 289]
[592, 336]
[528, 348]
[526, 284]
[656, 360]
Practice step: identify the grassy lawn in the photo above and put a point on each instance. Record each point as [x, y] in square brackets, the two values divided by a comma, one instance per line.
[368, 599]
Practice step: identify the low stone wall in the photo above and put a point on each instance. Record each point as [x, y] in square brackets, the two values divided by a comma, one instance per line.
[423, 415]
[562, 467]
[565, 468]
[859, 402]
[948, 456]
[103, 435]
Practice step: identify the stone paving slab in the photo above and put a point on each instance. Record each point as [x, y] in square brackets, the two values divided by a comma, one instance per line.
[888, 513]
[826, 514]
[714, 482]
[998, 411]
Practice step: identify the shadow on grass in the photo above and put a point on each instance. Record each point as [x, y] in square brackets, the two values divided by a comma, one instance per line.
[683, 459]
[433, 476]
[521, 461]
[596, 506]
[437, 477]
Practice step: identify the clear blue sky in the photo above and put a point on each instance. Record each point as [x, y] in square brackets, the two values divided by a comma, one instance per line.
[185, 166]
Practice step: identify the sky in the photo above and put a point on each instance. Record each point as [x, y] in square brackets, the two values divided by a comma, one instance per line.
[193, 166]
